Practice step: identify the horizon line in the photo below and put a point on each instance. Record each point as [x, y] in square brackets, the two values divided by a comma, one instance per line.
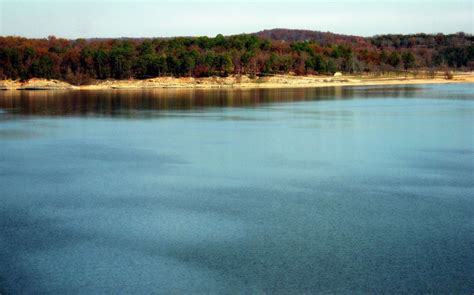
[243, 33]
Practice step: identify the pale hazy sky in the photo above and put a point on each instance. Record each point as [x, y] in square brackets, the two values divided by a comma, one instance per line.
[95, 18]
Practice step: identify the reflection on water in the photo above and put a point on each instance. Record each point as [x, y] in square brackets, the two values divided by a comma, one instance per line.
[330, 190]
[129, 103]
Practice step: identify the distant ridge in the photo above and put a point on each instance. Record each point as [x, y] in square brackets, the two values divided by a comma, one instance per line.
[298, 35]
[418, 40]
[291, 35]
[278, 34]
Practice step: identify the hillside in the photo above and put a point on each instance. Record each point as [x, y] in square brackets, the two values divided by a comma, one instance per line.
[291, 35]
[271, 52]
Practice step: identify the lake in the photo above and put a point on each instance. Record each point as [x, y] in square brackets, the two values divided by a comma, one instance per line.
[328, 190]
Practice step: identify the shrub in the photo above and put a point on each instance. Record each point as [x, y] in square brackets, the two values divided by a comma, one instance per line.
[448, 75]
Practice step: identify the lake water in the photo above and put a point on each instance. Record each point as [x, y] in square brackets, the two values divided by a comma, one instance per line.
[335, 190]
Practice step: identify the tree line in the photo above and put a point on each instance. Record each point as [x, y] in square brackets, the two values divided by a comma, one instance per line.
[82, 60]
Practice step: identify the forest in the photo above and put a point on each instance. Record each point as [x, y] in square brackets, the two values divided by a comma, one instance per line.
[278, 51]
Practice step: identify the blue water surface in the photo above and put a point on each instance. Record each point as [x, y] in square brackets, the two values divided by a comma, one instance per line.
[334, 190]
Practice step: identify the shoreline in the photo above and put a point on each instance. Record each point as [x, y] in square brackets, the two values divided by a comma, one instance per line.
[235, 82]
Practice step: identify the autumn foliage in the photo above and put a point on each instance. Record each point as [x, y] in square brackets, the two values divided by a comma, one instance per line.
[264, 53]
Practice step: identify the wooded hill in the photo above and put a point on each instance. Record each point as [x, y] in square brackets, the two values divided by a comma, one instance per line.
[263, 53]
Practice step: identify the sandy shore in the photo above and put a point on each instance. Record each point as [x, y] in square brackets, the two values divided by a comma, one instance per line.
[277, 81]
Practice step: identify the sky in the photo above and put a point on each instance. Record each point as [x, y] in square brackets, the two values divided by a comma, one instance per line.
[95, 18]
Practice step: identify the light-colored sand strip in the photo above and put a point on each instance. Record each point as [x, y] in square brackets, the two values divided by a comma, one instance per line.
[277, 81]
